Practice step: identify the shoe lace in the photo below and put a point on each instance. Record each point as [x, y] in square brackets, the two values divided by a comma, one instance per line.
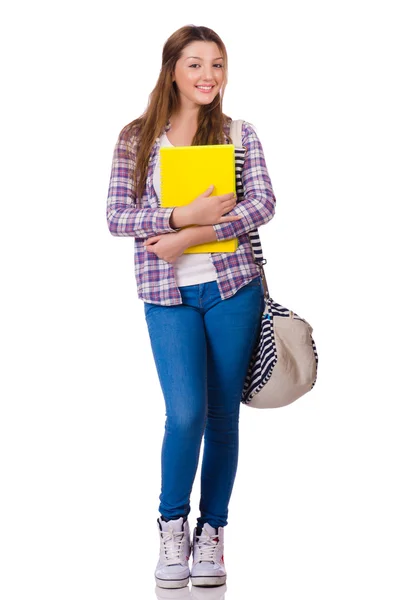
[172, 544]
[206, 546]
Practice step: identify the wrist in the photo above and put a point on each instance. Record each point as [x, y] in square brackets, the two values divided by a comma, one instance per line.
[181, 217]
[197, 234]
[187, 236]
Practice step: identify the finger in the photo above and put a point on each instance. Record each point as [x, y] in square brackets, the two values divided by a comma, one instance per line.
[151, 240]
[228, 198]
[151, 247]
[228, 219]
[227, 208]
[209, 190]
[230, 203]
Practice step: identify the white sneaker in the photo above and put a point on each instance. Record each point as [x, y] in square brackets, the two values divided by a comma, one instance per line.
[172, 569]
[208, 565]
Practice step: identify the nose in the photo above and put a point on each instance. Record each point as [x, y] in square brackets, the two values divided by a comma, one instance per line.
[207, 74]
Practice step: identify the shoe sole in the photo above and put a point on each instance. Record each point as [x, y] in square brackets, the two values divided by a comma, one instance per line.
[172, 583]
[208, 581]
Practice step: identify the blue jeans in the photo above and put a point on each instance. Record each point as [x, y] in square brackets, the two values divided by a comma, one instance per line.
[202, 350]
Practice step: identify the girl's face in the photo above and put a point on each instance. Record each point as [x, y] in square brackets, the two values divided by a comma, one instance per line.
[199, 74]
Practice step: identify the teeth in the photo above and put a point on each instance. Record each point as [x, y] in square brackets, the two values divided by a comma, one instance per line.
[202, 87]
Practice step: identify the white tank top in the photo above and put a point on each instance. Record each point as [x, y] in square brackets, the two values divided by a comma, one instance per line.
[188, 268]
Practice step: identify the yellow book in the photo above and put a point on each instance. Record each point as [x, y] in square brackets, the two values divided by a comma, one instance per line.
[187, 171]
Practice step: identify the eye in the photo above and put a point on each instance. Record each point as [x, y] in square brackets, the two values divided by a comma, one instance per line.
[218, 65]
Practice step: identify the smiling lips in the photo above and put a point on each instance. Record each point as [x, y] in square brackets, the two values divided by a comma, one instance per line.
[206, 89]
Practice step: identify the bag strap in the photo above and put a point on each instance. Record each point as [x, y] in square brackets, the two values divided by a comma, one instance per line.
[235, 133]
[236, 136]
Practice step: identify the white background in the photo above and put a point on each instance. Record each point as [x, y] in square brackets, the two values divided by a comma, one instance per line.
[313, 508]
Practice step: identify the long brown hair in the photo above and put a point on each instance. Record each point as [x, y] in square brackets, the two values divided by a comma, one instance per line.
[164, 100]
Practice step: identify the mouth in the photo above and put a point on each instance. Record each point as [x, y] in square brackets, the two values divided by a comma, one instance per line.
[205, 89]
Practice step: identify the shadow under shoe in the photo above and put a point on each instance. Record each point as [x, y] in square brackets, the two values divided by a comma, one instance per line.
[173, 594]
[208, 567]
[208, 593]
[172, 570]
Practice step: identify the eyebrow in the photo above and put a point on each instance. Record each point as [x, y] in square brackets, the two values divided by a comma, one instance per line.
[199, 57]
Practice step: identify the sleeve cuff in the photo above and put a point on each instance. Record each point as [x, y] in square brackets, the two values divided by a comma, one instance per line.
[224, 231]
[163, 220]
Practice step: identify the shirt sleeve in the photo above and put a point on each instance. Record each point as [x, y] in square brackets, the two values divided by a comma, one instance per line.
[258, 206]
[124, 217]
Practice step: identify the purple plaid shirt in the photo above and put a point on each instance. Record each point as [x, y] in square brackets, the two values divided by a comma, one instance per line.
[142, 218]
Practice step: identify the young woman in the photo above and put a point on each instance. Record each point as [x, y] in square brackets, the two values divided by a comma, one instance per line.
[202, 310]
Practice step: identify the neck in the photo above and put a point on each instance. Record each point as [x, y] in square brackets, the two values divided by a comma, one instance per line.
[188, 117]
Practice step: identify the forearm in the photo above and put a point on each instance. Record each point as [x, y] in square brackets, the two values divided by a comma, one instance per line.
[258, 206]
[124, 220]
[198, 234]
[181, 217]
[253, 213]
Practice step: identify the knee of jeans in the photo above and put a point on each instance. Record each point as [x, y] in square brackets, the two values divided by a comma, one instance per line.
[187, 423]
[223, 422]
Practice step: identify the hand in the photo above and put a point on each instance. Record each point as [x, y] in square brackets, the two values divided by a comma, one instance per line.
[208, 210]
[167, 246]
